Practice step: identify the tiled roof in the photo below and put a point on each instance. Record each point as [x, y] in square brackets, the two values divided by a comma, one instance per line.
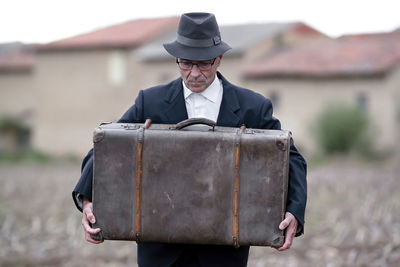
[16, 57]
[129, 34]
[240, 37]
[353, 55]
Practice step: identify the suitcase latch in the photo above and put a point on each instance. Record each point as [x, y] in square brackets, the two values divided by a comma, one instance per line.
[130, 126]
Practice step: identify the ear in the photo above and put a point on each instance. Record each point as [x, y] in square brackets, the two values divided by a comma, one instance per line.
[219, 61]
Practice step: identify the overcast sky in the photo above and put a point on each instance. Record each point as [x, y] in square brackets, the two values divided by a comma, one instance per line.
[42, 21]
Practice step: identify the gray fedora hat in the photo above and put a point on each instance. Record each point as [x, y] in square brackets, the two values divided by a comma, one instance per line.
[198, 38]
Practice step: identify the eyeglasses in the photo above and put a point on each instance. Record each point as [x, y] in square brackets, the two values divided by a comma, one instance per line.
[202, 65]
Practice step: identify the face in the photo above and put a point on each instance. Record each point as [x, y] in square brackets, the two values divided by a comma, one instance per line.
[198, 80]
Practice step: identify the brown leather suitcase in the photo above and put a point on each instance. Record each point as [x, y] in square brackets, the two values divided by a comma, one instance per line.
[190, 183]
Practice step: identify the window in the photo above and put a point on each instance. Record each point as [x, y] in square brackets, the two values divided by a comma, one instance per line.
[117, 68]
[362, 102]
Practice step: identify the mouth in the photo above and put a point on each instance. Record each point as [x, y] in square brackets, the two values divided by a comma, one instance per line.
[196, 82]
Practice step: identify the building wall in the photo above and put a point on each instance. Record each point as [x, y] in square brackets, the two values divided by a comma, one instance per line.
[154, 73]
[393, 84]
[299, 102]
[17, 95]
[76, 92]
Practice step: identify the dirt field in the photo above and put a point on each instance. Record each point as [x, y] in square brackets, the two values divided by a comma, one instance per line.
[353, 219]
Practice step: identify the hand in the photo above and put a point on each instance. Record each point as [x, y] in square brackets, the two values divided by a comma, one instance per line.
[88, 216]
[290, 224]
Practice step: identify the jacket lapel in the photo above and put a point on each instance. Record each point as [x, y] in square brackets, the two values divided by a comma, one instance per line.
[176, 107]
[229, 106]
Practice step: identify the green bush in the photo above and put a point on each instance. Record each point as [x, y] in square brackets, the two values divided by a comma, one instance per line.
[27, 155]
[342, 128]
[12, 124]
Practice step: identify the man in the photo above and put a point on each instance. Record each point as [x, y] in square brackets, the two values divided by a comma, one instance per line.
[201, 91]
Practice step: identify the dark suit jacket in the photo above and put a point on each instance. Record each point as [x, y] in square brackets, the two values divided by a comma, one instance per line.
[166, 104]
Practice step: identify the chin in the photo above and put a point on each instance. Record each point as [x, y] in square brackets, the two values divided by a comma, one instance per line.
[197, 89]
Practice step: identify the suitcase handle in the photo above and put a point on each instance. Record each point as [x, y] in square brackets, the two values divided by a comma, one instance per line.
[193, 121]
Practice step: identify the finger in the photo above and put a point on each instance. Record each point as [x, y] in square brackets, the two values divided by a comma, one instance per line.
[289, 236]
[288, 242]
[88, 229]
[89, 215]
[91, 240]
[286, 245]
[284, 224]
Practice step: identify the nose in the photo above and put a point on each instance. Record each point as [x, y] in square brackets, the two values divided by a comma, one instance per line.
[195, 72]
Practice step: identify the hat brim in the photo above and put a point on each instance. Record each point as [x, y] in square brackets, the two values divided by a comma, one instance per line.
[196, 53]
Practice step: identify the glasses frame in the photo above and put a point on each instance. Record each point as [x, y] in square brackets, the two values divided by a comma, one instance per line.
[197, 64]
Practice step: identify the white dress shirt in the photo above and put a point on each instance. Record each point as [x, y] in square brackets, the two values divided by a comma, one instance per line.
[205, 104]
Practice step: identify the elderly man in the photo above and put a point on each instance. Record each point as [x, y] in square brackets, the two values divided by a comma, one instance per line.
[201, 91]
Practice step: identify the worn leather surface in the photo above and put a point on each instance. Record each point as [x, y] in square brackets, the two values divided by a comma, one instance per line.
[187, 184]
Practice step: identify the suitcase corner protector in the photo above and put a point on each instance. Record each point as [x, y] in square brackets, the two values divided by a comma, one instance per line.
[278, 241]
[98, 237]
[98, 135]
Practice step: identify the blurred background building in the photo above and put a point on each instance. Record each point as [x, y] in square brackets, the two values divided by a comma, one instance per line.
[52, 96]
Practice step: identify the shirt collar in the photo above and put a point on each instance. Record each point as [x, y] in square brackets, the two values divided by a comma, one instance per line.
[211, 92]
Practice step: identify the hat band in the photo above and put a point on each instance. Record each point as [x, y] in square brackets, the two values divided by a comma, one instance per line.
[198, 42]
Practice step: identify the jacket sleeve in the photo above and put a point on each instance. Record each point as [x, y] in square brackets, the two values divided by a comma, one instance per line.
[84, 186]
[297, 187]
